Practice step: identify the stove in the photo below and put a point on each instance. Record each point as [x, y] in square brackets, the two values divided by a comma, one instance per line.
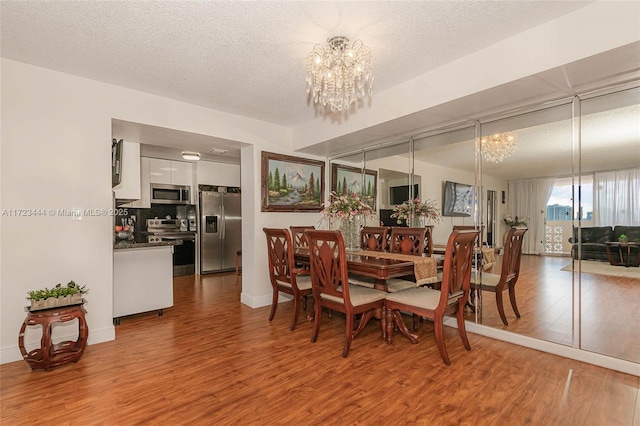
[184, 255]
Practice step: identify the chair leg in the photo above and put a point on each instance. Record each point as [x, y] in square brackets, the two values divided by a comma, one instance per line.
[317, 315]
[296, 308]
[438, 327]
[274, 305]
[416, 321]
[304, 303]
[512, 297]
[364, 319]
[461, 327]
[349, 336]
[500, 305]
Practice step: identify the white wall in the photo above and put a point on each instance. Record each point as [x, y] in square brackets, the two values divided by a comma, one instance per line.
[55, 154]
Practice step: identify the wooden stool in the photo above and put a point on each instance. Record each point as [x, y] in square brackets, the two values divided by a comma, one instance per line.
[49, 355]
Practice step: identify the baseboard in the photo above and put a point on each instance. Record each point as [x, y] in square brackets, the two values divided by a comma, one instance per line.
[600, 360]
[255, 302]
[12, 353]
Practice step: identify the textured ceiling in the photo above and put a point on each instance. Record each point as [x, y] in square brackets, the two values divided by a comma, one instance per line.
[249, 58]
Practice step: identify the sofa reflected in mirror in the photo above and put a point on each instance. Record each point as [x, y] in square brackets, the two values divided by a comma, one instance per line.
[594, 240]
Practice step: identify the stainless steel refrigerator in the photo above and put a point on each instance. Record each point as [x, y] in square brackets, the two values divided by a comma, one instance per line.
[220, 229]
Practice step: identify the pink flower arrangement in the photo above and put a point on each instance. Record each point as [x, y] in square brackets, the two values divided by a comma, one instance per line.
[346, 207]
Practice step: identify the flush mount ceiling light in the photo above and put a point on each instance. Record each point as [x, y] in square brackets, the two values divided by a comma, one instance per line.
[496, 148]
[192, 156]
[337, 74]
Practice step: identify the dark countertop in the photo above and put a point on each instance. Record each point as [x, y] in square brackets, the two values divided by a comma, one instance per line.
[133, 245]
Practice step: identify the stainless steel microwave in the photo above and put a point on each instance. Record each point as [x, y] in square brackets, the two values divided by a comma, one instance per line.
[170, 194]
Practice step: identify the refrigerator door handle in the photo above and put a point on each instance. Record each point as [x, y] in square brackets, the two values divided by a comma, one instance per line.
[223, 234]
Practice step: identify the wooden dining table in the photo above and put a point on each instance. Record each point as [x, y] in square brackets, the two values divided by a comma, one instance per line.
[372, 266]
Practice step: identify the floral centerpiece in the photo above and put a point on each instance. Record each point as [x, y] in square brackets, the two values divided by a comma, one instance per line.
[514, 221]
[417, 212]
[350, 210]
[346, 207]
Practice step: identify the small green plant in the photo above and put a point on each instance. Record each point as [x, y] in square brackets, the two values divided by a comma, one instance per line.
[57, 291]
[622, 237]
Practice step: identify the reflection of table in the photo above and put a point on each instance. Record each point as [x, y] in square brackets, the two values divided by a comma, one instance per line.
[486, 254]
[621, 248]
[368, 266]
[50, 355]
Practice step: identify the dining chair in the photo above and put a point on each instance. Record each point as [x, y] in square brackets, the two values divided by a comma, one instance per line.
[509, 275]
[407, 240]
[374, 238]
[299, 238]
[435, 304]
[284, 276]
[428, 240]
[332, 290]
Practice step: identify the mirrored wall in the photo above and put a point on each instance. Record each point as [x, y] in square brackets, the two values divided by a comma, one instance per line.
[564, 174]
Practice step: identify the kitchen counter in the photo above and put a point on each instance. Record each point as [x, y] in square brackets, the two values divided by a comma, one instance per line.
[133, 245]
[142, 278]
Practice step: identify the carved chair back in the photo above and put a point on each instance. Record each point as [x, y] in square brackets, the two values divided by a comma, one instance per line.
[299, 237]
[407, 240]
[458, 262]
[374, 238]
[512, 256]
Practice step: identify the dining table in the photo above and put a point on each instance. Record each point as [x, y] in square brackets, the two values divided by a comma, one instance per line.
[381, 266]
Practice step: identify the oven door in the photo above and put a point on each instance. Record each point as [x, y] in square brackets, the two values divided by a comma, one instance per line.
[184, 255]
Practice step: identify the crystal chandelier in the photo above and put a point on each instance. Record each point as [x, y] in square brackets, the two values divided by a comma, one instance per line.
[496, 148]
[338, 74]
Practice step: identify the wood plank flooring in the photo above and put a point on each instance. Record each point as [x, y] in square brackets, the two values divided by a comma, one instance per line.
[211, 360]
[610, 308]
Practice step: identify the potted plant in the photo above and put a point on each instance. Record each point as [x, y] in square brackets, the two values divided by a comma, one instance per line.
[622, 238]
[511, 221]
[71, 294]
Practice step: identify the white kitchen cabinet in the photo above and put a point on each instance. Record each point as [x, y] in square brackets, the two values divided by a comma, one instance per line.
[129, 187]
[145, 187]
[159, 171]
[170, 172]
[142, 280]
[181, 173]
[212, 173]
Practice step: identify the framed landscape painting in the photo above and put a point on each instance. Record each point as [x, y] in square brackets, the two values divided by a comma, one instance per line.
[291, 184]
[346, 179]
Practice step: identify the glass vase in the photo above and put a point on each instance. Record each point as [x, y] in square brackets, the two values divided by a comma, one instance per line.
[418, 221]
[350, 230]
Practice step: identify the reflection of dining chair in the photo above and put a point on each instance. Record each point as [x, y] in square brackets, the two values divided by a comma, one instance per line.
[480, 243]
[428, 240]
[331, 288]
[407, 240]
[374, 238]
[285, 277]
[435, 304]
[509, 276]
[299, 238]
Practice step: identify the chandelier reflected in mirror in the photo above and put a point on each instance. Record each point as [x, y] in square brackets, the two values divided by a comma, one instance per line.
[338, 75]
[496, 148]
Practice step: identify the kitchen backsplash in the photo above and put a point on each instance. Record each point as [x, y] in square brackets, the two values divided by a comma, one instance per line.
[156, 210]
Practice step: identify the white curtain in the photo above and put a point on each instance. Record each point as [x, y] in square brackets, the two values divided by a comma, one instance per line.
[616, 197]
[528, 199]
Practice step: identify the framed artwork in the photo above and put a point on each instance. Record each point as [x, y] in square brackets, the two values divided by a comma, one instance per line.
[349, 179]
[291, 184]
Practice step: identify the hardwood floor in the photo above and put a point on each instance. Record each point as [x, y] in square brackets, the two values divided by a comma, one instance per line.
[211, 360]
[610, 308]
